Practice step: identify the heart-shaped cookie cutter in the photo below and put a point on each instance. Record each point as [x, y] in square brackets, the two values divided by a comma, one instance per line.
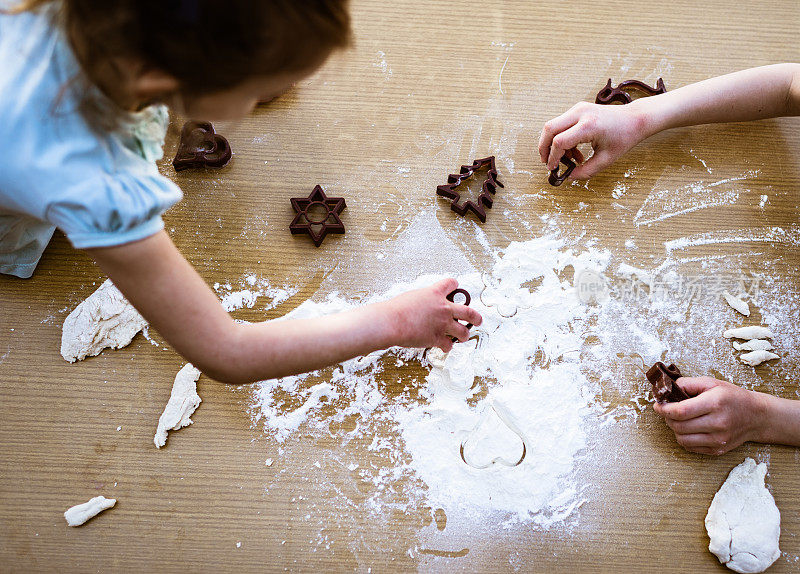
[506, 418]
[201, 146]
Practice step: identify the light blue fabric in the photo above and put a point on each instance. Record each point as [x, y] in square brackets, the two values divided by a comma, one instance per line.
[101, 188]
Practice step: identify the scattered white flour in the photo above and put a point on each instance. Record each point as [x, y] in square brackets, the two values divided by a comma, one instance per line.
[743, 523]
[755, 358]
[80, 513]
[104, 320]
[233, 300]
[753, 345]
[183, 401]
[754, 332]
[525, 365]
[737, 303]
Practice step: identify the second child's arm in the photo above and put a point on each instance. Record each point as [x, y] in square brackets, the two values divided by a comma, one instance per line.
[753, 94]
[168, 292]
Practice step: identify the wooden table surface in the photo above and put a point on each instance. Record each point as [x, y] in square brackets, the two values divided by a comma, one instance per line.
[427, 87]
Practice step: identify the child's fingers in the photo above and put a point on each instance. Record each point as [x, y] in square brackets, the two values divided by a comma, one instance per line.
[553, 128]
[696, 385]
[468, 314]
[575, 154]
[445, 344]
[598, 162]
[688, 409]
[702, 424]
[566, 140]
[697, 440]
[459, 331]
[446, 286]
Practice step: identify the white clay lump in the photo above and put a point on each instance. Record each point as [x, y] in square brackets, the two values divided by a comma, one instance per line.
[183, 401]
[743, 523]
[104, 320]
[755, 358]
[737, 304]
[753, 345]
[80, 513]
[754, 332]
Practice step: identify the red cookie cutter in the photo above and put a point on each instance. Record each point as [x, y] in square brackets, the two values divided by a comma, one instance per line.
[663, 380]
[451, 297]
[610, 95]
[315, 225]
[201, 146]
[487, 191]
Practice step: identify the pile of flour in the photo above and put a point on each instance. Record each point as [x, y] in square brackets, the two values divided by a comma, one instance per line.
[522, 362]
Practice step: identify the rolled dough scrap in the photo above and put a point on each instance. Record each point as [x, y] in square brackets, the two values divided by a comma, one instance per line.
[104, 320]
[754, 332]
[743, 523]
[80, 513]
[183, 401]
[741, 306]
[753, 345]
[755, 358]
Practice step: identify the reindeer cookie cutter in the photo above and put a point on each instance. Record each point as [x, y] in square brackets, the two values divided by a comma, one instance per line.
[610, 95]
[484, 200]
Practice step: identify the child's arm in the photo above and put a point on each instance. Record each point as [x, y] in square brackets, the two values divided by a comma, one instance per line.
[169, 293]
[612, 130]
[720, 416]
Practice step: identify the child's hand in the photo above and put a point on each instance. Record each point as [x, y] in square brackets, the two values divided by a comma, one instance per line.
[612, 131]
[719, 417]
[425, 318]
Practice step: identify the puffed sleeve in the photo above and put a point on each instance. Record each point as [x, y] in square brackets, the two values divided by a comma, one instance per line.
[113, 209]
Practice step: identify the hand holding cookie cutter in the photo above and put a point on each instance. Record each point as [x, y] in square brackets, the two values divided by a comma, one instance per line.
[451, 297]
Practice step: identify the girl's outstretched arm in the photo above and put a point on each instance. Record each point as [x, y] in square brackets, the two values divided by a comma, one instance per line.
[753, 94]
[169, 293]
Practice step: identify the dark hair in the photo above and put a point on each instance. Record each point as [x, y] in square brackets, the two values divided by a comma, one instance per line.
[207, 45]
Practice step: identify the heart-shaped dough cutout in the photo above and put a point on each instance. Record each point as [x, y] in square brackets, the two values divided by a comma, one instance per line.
[496, 440]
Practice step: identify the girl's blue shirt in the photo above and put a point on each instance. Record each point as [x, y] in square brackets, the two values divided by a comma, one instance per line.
[101, 188]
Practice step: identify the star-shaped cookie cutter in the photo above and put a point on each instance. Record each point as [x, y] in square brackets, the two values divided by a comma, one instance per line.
[506, 419]
[609, 95]
[313, 224]
[485, 198]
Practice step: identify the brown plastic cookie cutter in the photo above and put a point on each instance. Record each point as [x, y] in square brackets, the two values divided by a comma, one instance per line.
[485, 199]
[663, 380]
[317, 215]
[201, 146]
[452, 296]
[555, 179]
[611, 95]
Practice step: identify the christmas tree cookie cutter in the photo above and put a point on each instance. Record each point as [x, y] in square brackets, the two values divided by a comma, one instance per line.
[317, 215]
[484, 200]
[506, 418]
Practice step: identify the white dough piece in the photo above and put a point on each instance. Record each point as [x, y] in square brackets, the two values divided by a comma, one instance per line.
[753, 345]
[754, 332]
[104, 320]
[183, 401]
[755, 358]
[743, 523]
[739, 305]
[80, 513]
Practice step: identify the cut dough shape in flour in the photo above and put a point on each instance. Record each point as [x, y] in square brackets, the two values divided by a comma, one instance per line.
[737, 304]
[754, 332]
[743, 523]
[753, 345]
[183, 401]
[755, 358]
[80, 513]
[104, 320]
